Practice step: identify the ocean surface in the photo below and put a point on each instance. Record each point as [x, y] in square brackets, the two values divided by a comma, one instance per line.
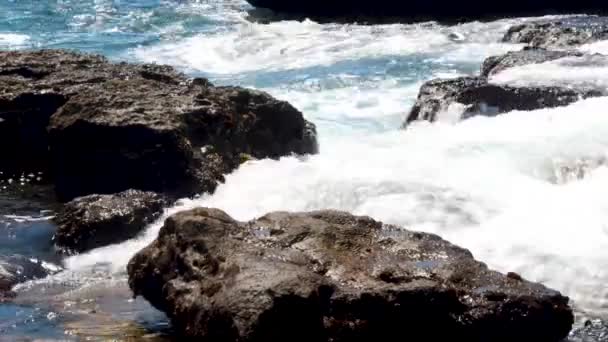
[525, 191]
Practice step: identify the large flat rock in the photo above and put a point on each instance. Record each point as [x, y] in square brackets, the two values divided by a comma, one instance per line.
[95, 221]
[332, 276]
[468, 96]
[101, 127]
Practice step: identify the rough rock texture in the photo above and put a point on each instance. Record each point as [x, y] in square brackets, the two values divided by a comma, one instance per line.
[528, 55]
[113, 127]
[15, 269]
[560, 33]
[436, 95]
[437, 9]
[493, 99]
[482, 98]
[331, 276]
[478, 96]
[98, 220]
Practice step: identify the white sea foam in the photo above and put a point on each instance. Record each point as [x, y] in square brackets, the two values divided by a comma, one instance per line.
[584, 71]
[292, 45]
[13, 40]
[595, 47]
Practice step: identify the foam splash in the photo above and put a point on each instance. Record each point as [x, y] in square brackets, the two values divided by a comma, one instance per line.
[13, 40]
[595, 47]
[292, 45]
[585, 71]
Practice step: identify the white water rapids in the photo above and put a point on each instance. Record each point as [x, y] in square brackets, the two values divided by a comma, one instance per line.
[513, 189]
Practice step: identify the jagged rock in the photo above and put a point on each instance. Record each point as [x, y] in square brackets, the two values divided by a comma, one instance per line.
[15, 269]
[495, 64]
[332, 276]
[559, 33]
[94, 221]
[113, 127]
[436, 95]
[479, 96]
[494, 99]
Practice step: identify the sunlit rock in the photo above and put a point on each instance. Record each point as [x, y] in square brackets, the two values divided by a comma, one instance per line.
[101, 127]
[332, 276]
[98, 220]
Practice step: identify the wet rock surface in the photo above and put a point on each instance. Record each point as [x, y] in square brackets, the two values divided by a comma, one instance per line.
[15, 269]
[559, 33]
[468, 96]
[101, 127]
[528, 55]
[493, 99]
[479, 97]
[94, 221]
[436, 95]
[332, 276]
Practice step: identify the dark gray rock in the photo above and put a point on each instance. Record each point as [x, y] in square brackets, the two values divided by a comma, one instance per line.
[113, 127]
[493, 99]
[15, 269]
[481, 97]
[94, 221]
[436, 95]
[560, 33]
[332, 276]
[495, 64]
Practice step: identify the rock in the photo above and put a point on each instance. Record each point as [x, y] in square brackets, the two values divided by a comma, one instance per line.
[23, 122]
[95, 221]
[479, 96]
[113, 127]
[559, 33]
[15, 269]
[434, 9]
[436, 95]
[495, 64]
[332, 276]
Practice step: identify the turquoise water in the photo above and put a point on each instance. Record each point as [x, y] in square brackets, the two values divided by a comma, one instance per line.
[487, 184]
[107, 27]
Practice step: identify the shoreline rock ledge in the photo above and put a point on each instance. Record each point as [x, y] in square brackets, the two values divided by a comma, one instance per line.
[100, 128]
[331, 276]
[95, 221]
